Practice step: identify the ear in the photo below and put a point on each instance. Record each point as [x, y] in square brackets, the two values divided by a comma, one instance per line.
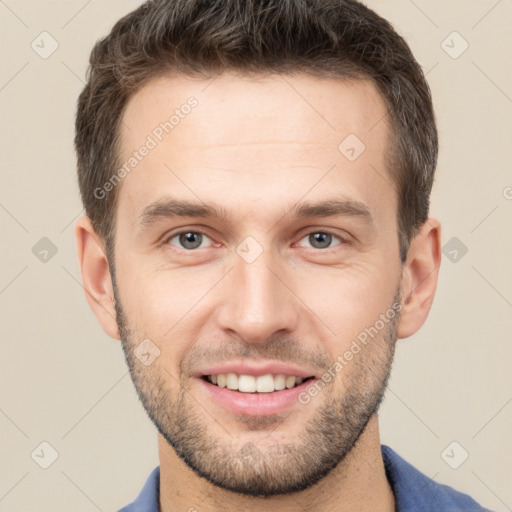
[420, 275]
[96, 278]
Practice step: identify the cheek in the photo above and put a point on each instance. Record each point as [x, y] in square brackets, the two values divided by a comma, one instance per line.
[349, 299]
[168, 306]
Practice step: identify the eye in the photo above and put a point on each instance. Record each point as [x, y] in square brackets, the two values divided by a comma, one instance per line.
[188, 240]
[320, 239]
[191, 240]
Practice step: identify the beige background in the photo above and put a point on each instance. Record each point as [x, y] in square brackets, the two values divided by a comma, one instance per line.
[65, 382]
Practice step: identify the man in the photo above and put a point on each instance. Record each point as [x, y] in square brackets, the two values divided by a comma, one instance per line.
[256, 177]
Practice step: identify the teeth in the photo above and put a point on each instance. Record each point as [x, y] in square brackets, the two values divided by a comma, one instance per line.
[221, 380]
[251, 384]
[279, 382]
[232, 381]
[248, 384]
[264, 383]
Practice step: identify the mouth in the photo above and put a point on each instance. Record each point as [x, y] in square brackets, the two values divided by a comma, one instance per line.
[249, 395]
[257, 385]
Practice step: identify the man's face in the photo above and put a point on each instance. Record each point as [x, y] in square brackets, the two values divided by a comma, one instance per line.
[260, 282]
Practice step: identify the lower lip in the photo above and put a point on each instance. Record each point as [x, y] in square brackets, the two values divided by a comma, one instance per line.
[255, 404]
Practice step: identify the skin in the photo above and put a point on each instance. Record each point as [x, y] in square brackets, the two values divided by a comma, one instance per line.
[254, 147]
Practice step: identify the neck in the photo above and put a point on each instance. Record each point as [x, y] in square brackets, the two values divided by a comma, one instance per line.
[357, 484]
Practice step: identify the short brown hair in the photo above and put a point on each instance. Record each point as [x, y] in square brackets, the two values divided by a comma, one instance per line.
[325, 38]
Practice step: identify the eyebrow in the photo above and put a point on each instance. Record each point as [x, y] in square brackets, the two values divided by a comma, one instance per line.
[169, 207]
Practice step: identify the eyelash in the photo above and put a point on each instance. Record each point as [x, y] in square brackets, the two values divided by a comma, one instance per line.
[167, 239]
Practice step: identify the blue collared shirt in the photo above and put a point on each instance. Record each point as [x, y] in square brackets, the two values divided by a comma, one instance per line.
[414, 491]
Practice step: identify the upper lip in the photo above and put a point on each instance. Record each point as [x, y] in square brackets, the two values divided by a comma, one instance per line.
[252, 368]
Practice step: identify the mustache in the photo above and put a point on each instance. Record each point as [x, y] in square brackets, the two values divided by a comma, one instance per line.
[278, 348]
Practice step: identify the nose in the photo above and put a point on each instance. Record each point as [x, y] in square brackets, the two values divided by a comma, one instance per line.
[257, 301]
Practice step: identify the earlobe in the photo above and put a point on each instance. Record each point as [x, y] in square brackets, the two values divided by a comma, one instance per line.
[96, 277]
[420, 275]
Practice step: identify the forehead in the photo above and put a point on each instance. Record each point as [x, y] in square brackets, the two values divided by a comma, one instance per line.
[310, 107]
[264, 137]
